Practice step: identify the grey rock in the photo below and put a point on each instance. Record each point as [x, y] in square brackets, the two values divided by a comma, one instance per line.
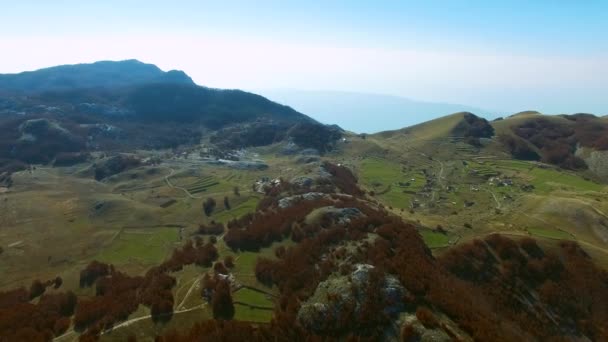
[302, 181]
[319, 314]
[287, 202]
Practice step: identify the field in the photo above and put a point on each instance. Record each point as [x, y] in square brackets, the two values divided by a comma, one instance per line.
[551, 233]
[434, 240]
[148, 246]
[237, 210]
[252, 306]
[389, 181]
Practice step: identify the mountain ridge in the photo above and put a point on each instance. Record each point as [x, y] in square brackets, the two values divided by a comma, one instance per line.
[103, 74]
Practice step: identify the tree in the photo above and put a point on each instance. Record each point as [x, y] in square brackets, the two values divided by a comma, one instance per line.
[209, 206]
[223, 308]
[36, 289]
[57, 282]
[229, 261]
[220, 268]
[226, 203]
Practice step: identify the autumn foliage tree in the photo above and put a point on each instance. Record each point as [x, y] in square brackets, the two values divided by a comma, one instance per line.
[222, 305]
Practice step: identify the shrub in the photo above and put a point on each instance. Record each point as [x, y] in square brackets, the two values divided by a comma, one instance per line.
[209, 206]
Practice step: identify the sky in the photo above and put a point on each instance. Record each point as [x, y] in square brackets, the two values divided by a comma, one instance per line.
[508, 56]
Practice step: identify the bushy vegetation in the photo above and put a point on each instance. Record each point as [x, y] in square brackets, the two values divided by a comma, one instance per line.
[472, 128]
[558, 140]
[21, 320]
[314, 135]
[518, 148]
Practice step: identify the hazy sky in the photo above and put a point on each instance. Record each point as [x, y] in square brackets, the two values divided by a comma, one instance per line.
[507, 55]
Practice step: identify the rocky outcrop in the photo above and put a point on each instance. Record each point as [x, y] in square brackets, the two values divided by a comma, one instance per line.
[287, 202]
[340, 215]
[334, 295]
[597, 161]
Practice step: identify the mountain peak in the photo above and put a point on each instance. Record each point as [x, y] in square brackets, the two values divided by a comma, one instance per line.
[101, 74]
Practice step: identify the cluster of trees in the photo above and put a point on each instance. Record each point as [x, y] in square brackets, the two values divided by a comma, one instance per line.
[21, 320]
[314, 135]
[213, 228]
[117, 295]
[569, 285]
[222, 330]
[37, 288]
[265, 132]
[518, 148]
[221, 302]
[472, 128]
[199, 253]
[590, 130]
[343, 178]
[556, 141]
[116, 298]
[93, 271]
[261, 229]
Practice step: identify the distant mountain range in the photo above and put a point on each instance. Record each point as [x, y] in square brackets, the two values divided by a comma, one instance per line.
[367, 113]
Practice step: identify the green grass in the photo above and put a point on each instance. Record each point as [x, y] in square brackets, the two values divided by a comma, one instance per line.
[245, 313]
[252, 297]
[373, 171]
[433, 239]
[147, 246]
[243, 208]
[546, 180]
[551, 233]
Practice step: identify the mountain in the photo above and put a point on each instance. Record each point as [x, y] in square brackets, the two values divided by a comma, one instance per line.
[367, 113]
[103, 74]
[130, 104]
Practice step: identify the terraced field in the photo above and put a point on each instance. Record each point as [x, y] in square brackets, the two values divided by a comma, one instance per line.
[202, 184]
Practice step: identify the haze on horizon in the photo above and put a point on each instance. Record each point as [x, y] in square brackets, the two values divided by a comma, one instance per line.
[550, 56]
